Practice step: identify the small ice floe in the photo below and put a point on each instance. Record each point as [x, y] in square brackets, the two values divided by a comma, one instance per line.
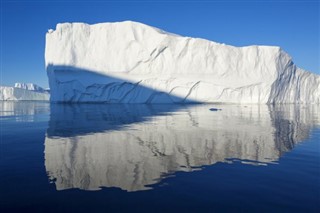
[214, 109]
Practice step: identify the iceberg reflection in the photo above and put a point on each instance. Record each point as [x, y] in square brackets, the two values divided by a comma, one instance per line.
[23, 111]
[132, 147]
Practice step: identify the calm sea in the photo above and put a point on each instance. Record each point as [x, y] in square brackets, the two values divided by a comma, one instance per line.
[159, 158]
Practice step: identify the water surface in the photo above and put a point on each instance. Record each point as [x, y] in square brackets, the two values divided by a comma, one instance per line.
[159, 158]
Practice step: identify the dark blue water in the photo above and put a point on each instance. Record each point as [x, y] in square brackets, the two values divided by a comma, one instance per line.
[159, 158]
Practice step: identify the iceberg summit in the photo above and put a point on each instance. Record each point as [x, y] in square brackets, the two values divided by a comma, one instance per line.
[130, 62]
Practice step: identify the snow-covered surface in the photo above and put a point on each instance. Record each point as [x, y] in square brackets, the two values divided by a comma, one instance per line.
[129, 62]
[29, 86]
[143, 153]
[18, 93]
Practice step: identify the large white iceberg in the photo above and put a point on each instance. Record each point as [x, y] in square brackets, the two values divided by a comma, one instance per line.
[23, 92]
[129, 62]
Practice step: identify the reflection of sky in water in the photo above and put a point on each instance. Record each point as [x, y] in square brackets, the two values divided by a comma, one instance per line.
[133, 146]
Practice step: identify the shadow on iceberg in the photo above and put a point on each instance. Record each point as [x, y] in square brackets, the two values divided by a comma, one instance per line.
[133, 147]
[73, 84]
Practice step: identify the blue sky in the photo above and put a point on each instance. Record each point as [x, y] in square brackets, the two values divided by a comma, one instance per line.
[293, 25]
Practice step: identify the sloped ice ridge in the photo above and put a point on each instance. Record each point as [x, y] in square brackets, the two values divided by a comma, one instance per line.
[129, 62]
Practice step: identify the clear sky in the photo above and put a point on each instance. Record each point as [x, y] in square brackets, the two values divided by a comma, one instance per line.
[293, 25]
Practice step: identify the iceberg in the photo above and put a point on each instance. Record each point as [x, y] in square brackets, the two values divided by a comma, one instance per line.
[130, 62]
[23, 92]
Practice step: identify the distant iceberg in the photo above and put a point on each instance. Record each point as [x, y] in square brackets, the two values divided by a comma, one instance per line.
[24, 92]
[30, 86]
[129, 62]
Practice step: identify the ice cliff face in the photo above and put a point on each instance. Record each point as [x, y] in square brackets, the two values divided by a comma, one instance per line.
[129, 62]
[18, 93]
